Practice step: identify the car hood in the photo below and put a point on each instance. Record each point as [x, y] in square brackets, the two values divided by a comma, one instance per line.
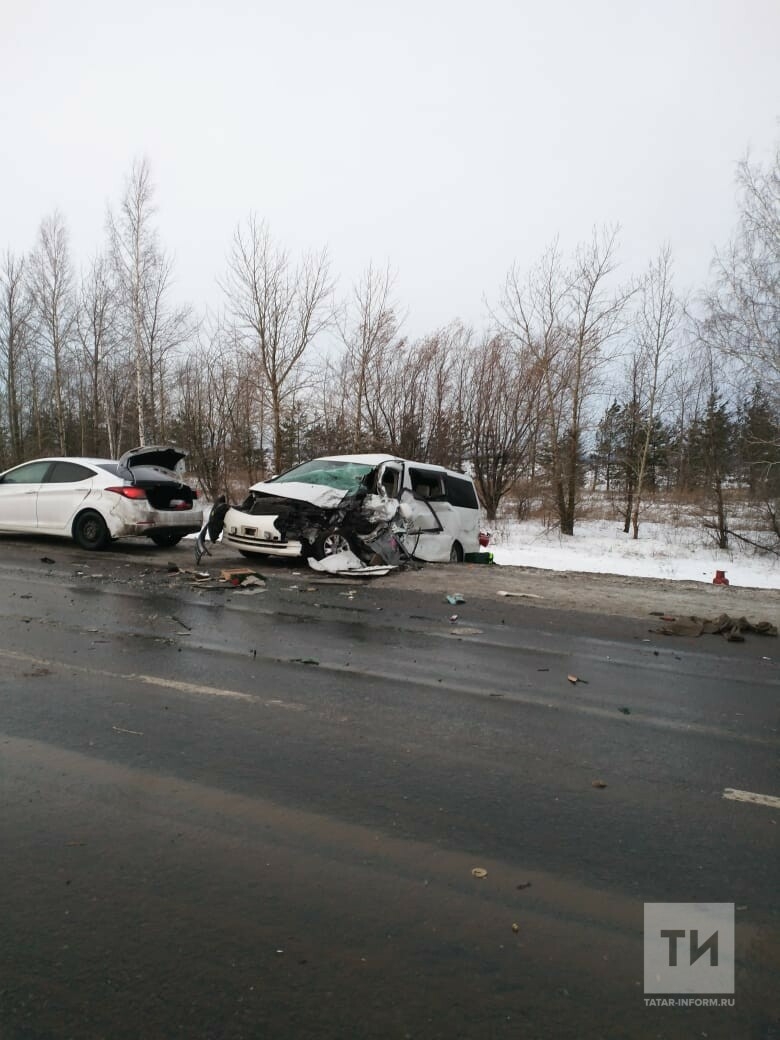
[153, 455]
[314, 494]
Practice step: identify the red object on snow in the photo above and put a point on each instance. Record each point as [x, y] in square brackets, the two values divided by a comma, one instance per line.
[484, 539]
[720, 578]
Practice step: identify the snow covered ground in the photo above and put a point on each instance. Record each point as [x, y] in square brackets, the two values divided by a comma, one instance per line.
[663, 550]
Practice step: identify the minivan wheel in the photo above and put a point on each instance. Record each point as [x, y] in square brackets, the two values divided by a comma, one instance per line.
[90, 531]
[456, 553]
[165, 539]
[328, 543]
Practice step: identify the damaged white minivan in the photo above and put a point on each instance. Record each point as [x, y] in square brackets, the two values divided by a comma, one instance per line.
[379, 507]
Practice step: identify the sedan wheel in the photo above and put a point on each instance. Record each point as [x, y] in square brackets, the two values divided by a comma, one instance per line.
[90, 531]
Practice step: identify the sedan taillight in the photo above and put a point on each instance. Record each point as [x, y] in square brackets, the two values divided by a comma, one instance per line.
[128, 492]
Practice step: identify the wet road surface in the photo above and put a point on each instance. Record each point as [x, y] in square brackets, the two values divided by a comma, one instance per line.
[229, 815]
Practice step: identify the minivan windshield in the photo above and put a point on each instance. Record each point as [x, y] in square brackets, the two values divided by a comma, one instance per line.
[344, 476]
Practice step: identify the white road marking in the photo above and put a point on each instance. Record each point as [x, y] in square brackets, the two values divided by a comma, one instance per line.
[749, 796]
[150, 680]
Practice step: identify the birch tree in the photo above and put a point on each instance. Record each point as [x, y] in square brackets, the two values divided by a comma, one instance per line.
[152, 326]
[16, 315]
[97, 329]
[658, 322]
[52, 289]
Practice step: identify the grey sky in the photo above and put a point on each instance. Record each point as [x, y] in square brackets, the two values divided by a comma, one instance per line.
[448, 138]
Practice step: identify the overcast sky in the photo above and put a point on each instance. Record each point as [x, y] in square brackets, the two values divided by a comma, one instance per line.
[446, 138]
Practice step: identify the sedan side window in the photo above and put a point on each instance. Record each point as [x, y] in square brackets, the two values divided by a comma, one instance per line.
[32, 473]
[68, 473]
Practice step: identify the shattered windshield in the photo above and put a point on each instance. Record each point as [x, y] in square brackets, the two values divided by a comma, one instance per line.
[344, 476]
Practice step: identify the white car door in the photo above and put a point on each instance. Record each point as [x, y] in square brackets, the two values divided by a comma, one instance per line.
[18, 496]
[66, 486]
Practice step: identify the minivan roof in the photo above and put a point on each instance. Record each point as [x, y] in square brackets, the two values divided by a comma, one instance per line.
[377, 460]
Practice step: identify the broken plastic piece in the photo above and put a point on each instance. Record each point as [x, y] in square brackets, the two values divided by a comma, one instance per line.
[598, 783]
[455, 597]
[479, 872]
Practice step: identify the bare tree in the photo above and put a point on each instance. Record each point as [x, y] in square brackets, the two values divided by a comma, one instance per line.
[209, 393]
[658, 322]
[16, 310]
[52, 288]
[743, 308]
[279, 310]
[152, 327]
[367, 331]
[565, 318]
[503, 383]
[97, 328]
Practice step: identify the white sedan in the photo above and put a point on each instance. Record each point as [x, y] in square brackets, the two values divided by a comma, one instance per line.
[95, 501]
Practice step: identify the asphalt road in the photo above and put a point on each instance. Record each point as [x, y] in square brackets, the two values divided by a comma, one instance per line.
[232, 815]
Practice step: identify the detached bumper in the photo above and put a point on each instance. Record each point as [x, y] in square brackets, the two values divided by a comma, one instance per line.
[257, 534]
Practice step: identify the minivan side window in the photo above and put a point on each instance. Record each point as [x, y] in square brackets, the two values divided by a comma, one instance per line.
[460, 492]
[426, 484]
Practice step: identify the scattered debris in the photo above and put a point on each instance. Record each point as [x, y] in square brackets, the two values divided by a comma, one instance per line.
[515, 927]
[543, 669]
[730, 628]
[479, 872]
[134, 732]
[303, 660]
[574, 679]
[46, 559]
[465, 631]
[454, 598]
[519, 595]
[625, 711]
[454, 617]
[522, 885]
[598, 783]
[241, 576]
[478, 557]
[346, 562]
